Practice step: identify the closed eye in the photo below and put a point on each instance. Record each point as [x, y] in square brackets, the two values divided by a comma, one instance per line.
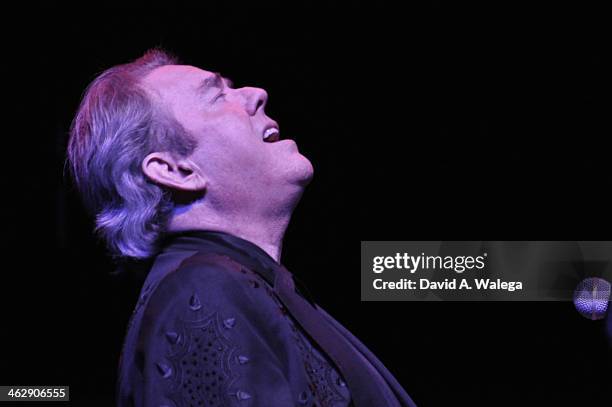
[228, 84]
[219, 95]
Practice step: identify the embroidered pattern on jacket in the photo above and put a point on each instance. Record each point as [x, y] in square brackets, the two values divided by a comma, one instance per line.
[204, 361]
[327, 384]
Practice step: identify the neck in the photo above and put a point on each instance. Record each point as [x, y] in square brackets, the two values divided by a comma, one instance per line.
[264, 230]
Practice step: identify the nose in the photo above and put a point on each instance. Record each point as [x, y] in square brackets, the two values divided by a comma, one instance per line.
[256, 99]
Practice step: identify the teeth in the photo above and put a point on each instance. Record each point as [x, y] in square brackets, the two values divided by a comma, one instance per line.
[271, 133]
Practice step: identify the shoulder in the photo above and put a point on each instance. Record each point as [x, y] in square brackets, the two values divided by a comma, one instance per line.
[208, 336]
[202, 281]
[204, 269]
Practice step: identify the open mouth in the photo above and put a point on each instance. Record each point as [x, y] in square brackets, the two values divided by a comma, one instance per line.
[271, 134]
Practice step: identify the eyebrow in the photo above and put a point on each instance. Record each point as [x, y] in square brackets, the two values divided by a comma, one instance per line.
[213, 81]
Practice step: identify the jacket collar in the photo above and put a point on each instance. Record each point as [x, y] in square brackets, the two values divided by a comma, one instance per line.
[241, 250]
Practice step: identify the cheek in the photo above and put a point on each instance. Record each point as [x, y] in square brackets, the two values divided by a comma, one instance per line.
[229, 148]
[230, 127]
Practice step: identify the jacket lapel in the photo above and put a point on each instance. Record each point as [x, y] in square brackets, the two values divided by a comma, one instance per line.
[367, 387]
[399, 391]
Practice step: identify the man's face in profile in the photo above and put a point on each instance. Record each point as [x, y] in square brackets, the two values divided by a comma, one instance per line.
[229, 126]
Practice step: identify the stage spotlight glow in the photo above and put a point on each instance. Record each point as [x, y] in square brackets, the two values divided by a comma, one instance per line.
[591, 297]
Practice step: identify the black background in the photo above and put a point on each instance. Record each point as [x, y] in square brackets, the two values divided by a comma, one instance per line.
[442, 123]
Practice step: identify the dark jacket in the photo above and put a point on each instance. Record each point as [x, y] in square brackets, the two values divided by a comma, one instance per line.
[210, 330]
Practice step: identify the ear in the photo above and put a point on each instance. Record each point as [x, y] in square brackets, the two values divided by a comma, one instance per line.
[181, 174]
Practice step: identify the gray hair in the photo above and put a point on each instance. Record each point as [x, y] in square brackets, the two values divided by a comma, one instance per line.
[116, 126]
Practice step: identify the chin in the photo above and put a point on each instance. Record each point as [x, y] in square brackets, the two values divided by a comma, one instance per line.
[301, 171]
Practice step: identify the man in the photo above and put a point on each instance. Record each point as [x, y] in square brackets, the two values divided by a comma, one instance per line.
[182, 169]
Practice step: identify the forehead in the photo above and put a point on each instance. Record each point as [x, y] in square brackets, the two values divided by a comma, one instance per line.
[175, 78]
